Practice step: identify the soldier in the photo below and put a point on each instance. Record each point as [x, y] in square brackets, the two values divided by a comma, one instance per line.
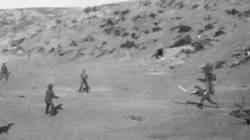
[4, 72]
[198, 91]
[209, 78]
[84, 87]
[48, 100]
[206, 96]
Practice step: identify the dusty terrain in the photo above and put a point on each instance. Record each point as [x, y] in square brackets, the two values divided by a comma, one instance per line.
[133, 96]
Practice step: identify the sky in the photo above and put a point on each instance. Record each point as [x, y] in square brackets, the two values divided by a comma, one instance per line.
[10, 4]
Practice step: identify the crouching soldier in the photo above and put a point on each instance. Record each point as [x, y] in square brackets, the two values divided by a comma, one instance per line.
[198, 91]
[84, 87]
[49, 95]
[4, 72]
[206, 97]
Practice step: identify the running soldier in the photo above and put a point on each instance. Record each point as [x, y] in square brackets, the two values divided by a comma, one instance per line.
[48, 100]
[84, 87]
[4, 72]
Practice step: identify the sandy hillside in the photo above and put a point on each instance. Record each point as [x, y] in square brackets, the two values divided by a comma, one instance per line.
[133, 96]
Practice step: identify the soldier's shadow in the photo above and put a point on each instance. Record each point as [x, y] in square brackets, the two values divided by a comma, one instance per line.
[195, 104]
[56, 109]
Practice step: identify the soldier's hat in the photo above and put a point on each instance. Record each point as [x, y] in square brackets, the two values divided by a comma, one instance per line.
[50, 85]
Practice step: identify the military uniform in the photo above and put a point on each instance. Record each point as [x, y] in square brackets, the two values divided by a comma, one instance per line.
[210, 78]
[4, 72]
[48, 100]
[84, 84]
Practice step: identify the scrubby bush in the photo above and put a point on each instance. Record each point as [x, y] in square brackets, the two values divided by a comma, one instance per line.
[129, 44]
[156, 29]
[187, 40]
[73, 43]
[219, 33]
[181, 28]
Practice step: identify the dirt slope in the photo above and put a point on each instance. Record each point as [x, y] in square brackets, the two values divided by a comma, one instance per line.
[133, 96]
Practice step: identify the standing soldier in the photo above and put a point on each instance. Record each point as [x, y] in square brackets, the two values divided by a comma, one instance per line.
[84, 87]
[4, 72]
[210, 78]
[48, 100]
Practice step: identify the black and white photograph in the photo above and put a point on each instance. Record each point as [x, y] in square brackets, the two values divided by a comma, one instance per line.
[124, 69]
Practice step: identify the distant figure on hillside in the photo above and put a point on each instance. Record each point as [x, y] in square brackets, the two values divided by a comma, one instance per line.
[84, 87]
[4, 72]
[49, 95]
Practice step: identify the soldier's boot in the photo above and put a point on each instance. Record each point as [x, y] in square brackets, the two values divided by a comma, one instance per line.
[47, 108]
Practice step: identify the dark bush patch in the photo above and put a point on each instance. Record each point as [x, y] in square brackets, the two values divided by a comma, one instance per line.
[112, 51]
[187, 40]
[116, 31]
[143, 48]
[198, 46]
[108, 22]
[195, 6]
[41, 50]
[237, 13]
[156, 23]
[160, 11]
[153, 15]
[135, 36]
[89, 39]
[73, 43]
[179, 5]
[176, 18]
[155, 40]
[129, 44]
[73, 21]
[219, 33]
[121, 13]
[125, 34]
[17, 42]
[208, 27]
[58, 21]
[219, 64]
[181, 28]
[156, 29]
[104, 43]
[146, 3]
[90, 9]
[101, 54]
[51, 50]
[4, 50]
[158, 54]
[233, 12]
[68, 52]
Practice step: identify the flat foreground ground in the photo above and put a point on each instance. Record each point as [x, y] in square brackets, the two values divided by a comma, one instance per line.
[126, 102]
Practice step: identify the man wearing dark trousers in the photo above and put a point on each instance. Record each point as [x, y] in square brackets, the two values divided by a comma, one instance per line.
[84, 87]
[49, 95]
[4, 72]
